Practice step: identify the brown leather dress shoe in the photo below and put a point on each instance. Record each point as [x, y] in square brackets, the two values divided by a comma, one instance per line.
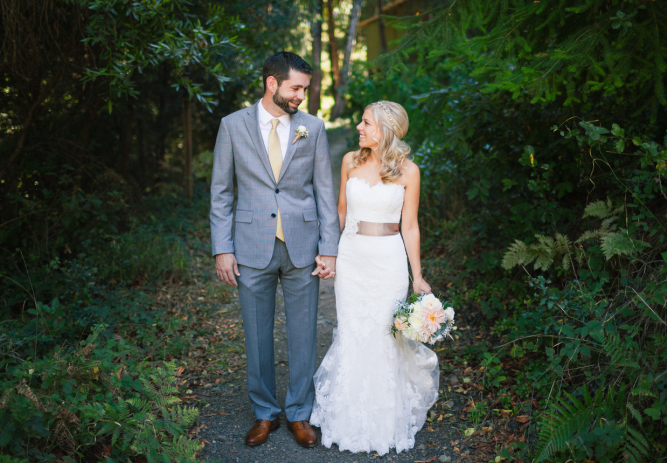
[304, 434]
[259, 433]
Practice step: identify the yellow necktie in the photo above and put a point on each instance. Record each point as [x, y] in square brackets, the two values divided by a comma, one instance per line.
[276, 160]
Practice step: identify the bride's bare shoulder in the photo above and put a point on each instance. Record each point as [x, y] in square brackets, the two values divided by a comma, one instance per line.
[347, 159]
[410, 171]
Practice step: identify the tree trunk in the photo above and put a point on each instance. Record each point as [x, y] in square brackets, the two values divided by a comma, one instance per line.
[383, 38]
[333, 47]
[146, 173]
[345, 73]
[127, 140]
[315, 89]
[29, 118]
[162, 126]
[187, 147]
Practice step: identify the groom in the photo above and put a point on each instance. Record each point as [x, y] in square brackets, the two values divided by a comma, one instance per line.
[285, 228]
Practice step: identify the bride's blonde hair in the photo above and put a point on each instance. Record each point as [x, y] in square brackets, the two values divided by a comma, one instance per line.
[393, 122]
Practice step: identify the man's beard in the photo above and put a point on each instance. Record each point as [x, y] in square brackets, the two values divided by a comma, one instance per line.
[283, 103]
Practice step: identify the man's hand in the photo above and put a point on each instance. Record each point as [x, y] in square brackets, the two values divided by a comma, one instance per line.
[226, 268]
[326, 267]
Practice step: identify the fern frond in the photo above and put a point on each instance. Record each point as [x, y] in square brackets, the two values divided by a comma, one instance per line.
[608, 224]
[599, 209]
[639, 442]
[571, 417]
[515, 255]
[543, 253]
[634, 412]
[590, 235]
[566, 263]
[616, 244]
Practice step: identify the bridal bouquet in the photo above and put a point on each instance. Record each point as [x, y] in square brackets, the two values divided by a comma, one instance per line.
[422, 318]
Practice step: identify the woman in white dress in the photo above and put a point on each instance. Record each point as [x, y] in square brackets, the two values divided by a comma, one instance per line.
[373, 391]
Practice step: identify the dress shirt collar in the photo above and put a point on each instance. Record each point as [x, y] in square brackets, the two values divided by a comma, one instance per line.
[265, 117]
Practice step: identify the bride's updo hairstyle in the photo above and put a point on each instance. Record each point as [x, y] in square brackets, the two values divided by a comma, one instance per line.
[392, 120]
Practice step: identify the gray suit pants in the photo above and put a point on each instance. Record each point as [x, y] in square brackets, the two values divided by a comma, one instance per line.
[257, 292]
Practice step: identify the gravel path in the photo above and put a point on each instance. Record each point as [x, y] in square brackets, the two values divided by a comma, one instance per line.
[225, 432]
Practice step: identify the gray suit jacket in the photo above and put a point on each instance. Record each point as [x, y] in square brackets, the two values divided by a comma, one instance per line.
[304, 193]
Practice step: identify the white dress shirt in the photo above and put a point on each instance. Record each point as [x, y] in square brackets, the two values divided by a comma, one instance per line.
[282, 129]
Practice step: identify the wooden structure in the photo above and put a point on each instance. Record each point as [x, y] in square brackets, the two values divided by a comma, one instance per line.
[378, 35]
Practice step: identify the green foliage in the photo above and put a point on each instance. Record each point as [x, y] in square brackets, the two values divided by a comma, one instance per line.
[608, 240]
[543, 252]
[152, 425]
[100, 397]
[594, 428]
[493, 370]
[564, 51]
[78, 400]
[142, 36]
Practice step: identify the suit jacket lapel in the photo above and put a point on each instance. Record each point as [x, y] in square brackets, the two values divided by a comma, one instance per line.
[251, 120]
[291, 148]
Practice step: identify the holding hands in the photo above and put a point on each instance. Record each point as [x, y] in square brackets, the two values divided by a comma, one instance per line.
[326, 267]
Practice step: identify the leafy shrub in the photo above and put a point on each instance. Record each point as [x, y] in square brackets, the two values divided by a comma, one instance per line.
[141, 252]
[567, 428]
[79, 402]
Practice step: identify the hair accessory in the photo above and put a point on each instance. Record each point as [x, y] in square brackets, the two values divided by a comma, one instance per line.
[386, 110]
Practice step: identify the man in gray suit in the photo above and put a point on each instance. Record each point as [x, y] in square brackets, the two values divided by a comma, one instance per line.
[285, 228]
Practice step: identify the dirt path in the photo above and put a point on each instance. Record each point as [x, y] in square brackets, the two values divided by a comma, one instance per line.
[224, 434]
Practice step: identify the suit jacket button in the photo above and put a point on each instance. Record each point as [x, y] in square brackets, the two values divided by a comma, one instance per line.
[273, 216]
[277, 191]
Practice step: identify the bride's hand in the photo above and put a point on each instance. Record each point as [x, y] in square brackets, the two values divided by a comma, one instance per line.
[419, 286]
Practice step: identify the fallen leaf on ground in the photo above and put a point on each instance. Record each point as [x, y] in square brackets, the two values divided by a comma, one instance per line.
[218, 413]
[522, 418]
[469, 432]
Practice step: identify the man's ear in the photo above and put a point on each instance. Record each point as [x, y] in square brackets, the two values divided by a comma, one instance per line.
[271, 84]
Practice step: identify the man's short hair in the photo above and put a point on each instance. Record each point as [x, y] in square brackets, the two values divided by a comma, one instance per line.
[279, 66]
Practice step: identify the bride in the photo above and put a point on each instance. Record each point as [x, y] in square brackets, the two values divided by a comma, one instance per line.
[373, 391]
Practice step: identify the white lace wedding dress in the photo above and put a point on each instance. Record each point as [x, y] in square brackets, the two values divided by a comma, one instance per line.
[372, 391]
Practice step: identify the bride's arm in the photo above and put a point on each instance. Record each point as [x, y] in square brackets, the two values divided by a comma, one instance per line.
[410, 225]
[342, 199]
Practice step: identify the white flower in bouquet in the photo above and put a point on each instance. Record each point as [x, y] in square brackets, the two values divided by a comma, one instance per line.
[449, 313]
[410, 333]
[431, 302]
[416, 321]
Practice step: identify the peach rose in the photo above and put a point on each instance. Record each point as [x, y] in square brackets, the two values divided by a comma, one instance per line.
[400, 324]
[433, 318]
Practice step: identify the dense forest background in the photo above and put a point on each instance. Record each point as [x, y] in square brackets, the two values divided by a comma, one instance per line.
[540, 128]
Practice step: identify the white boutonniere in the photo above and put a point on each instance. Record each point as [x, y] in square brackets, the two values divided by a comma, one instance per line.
[300, 132]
